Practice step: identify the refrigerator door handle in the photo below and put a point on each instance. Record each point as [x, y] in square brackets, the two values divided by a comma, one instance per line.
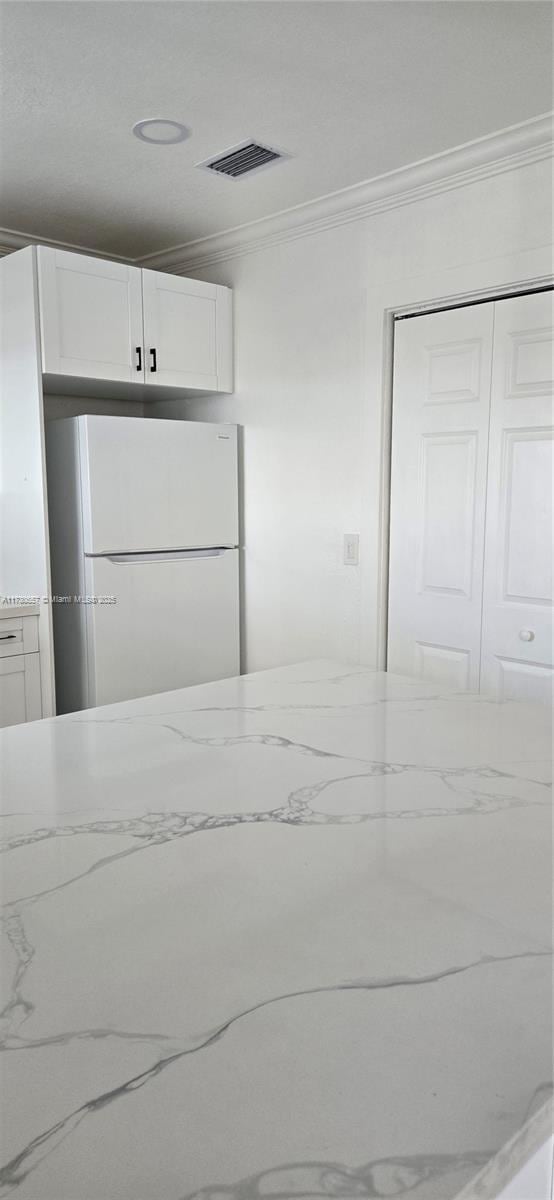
[152, 556]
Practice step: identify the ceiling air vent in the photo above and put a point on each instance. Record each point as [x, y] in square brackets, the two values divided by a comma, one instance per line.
[243, 160]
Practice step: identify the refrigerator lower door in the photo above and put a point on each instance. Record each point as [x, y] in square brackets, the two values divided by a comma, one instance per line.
[157, 622]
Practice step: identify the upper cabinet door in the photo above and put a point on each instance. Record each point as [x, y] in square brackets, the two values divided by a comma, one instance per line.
[187, 333]
[91, 317]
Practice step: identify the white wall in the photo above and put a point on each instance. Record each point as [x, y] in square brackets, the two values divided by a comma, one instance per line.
[310, 380]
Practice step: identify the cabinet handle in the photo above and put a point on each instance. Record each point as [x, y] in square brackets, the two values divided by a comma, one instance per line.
[527, 635]
[154, 366]
[7, 637]
[139, 356]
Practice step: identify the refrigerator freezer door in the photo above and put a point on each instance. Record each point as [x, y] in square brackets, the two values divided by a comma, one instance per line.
[156, 484]
[175, 622]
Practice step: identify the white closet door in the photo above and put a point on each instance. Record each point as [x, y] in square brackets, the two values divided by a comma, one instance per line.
[517, 614]
[442, 370]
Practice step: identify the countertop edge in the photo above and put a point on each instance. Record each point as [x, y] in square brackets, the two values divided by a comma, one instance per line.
[15, 611]
[511, 1157]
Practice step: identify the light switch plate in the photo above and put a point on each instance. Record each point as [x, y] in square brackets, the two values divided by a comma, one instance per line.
[351, 549]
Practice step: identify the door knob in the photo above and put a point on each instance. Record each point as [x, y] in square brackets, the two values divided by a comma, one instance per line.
[526, 635]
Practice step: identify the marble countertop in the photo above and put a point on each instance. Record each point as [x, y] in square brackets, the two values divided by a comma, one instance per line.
[282, 936]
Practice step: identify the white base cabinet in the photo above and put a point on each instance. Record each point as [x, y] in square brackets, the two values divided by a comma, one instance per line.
[20, 683]
[20, 689]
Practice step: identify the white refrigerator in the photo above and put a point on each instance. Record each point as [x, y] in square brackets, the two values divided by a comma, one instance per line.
[143, 518]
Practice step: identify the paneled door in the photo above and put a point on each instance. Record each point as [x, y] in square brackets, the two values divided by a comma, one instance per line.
[187, 327]
[91, 317]
[517, 613]
[442, 368]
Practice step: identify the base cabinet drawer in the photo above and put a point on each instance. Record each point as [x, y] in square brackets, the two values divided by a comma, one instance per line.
[18, 635]
[20, 698]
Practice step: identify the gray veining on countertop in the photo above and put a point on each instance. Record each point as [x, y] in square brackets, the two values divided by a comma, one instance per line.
[344, 990]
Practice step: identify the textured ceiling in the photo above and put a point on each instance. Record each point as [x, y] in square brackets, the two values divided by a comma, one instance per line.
[349, 90]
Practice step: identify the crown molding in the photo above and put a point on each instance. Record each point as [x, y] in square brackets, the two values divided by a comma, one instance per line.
[13, 239]
[506, 150]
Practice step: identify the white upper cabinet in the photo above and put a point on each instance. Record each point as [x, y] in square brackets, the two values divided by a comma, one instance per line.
[187, 332]
[91, 317]
[107, 321]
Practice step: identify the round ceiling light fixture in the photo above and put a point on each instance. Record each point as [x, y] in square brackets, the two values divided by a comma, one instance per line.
[160, 131]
